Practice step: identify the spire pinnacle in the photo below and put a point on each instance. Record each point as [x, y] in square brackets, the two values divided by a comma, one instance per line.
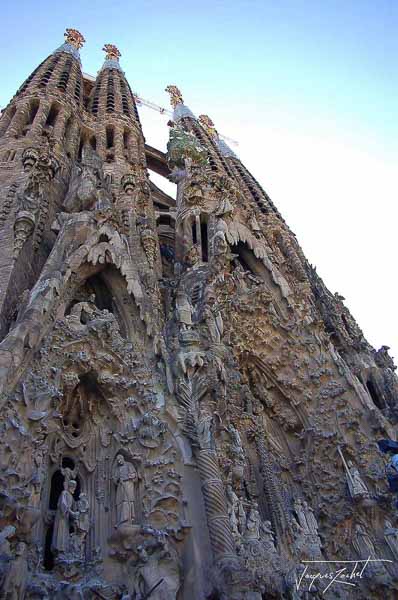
[175, 95]
[112, 53]
[177, 102]
[73, 42]
[208, 125]
[74, 38]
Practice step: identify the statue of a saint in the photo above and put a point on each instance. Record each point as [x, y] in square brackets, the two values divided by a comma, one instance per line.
[5, 550]
[267, 537]
[391, 537]
[156, 572]
[184, 310]
[236, 512]
[15, 582]
[253, 523]
[356, 485]
[205, 431]
[61, 542]
[213, 322]
[125, 477]
[82, 524]
[236, 442]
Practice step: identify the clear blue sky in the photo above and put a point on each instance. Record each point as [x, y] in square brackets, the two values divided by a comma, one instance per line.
[316, 55]
[309, 88]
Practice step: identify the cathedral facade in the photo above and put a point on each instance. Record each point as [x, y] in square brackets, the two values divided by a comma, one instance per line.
[187, 412]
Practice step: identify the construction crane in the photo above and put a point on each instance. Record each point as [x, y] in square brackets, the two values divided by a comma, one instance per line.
[164, 111]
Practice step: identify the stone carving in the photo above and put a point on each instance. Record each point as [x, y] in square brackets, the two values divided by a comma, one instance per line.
[206, 401]
[32, 199]
[65, 514]
[236, 512]
[155, 573]
[355, 483]
[305, 528]
[391, 537]
[365, 549]
[15, 582]
[148, 241]
[124, 478]
[183, 147]
[214, 322]
[112, 53]
[175, 95]
[5, 551]
[184, 310]
[82, 525]
[74, 37]
[87, 189]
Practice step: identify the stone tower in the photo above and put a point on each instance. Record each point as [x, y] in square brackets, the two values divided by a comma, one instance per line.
[187, 411]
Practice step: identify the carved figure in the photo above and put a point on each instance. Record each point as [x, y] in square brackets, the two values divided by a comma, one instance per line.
[356, 485]
[305, 529]
[124, 477]
[206, 432]
[213, 322]
[184, 310]
[61, 542]
[156, 572]
[253, 523]
[87, 189]
[82, 524]
[267, 537]
[236, 442]
[15, 582]
[5, 550]
[391, 537]
[236, 512]
[363, 544]
[6, 533]
[81, 313]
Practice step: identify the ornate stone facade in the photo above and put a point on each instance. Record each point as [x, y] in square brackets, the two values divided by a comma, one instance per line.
[187, 411]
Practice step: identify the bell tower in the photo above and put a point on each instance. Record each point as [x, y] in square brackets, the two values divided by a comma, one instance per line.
[187, 412]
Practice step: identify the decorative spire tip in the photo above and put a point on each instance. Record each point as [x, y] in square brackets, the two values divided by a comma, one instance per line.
[175, 95]
[208, 125]
[74, 38]
[112, 53]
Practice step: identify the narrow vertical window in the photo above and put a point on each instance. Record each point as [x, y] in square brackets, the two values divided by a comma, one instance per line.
[52, 116]
[109, 137]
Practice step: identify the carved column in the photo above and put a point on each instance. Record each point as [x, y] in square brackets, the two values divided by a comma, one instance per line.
[19, 120]
[59, 126]
[72, 143]
[271, 488]
[101, 143]
[118, 142]
[216, 506]
[40, 118]
[5, 121]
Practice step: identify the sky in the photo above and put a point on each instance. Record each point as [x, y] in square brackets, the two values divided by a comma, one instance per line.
[309, 89]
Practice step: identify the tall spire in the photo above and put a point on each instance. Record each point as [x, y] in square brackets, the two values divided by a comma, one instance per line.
[74, 40]
[209, 127]
[112, 55]
[176, 100]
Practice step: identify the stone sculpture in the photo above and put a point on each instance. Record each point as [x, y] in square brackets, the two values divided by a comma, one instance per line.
[124, 478]
[169, 427]
[65, 514]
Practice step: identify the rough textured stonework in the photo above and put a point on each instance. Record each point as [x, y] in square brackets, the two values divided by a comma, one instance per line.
[187, 412]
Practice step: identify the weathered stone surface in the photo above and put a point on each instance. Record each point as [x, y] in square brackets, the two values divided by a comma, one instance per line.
[187, 411]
